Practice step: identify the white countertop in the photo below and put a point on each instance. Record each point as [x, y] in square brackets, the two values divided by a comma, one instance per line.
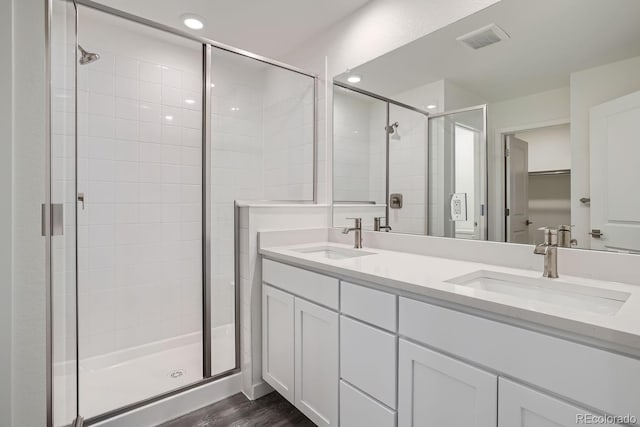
[428, 276]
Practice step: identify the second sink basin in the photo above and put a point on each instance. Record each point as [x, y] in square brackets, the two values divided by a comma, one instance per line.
[331, 252]
[549, 291]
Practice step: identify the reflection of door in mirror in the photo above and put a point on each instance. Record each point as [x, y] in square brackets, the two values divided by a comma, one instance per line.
[538, 182]
[456, 175]
[615, 150]
[517, 167]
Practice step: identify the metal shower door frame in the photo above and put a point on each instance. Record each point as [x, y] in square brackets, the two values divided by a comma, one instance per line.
[484, 208]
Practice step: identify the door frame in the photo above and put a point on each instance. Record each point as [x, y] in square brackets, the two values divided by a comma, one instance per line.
[483, 200]
[501, 141]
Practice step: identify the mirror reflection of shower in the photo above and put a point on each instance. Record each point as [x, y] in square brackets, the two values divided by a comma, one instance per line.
[87, 57]
[393, 131]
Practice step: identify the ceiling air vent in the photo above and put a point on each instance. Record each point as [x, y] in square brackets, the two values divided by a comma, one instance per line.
[483, 37]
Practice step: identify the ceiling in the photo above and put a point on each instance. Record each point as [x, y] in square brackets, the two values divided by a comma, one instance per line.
[269, 28]
[549, 40]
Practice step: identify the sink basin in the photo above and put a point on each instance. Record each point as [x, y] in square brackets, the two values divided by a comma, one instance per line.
[330, 252]
[548, 291]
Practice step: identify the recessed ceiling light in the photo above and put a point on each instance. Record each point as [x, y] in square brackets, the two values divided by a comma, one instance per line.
[190, 101]
[168, 118]
[354, 78]
[431, 106]
[235, 108]
[213, 85]
[193, 22]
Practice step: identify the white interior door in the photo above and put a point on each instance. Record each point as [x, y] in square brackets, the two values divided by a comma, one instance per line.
[615, 174]
[517, 170]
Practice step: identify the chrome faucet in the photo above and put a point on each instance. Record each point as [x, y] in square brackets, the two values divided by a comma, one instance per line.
[378, 227]
[357, 229]
[549, 248]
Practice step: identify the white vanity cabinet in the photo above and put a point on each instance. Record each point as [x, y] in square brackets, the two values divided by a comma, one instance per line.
[300, 339]
[436, 390]
[520, 406]
[362, 356]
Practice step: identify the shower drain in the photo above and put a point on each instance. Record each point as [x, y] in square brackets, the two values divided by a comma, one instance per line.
[177, 373]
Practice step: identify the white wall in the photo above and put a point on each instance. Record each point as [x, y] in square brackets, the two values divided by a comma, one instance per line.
[6, 192]
[549, 148]
[588, 89]
[540, 109]
[29, 290]
[457, 97]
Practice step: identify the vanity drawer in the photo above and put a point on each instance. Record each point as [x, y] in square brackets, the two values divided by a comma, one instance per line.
[357, 409]
[306, 284]
[368, 359]
[369, 305]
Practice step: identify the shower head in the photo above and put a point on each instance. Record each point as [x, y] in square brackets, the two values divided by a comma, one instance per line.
[393, 131]
[87, 57]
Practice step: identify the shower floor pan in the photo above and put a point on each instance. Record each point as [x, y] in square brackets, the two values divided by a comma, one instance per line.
[111, 381]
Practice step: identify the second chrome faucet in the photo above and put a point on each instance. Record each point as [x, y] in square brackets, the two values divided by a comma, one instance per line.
[549, 248]
[357, 229]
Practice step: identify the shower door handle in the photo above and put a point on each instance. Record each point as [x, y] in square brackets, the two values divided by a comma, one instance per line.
[56, 219]
[81, 199]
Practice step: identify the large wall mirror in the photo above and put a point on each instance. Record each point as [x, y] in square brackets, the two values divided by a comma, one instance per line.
[519, 117]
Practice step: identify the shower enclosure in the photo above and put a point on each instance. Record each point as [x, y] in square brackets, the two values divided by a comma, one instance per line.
[406, 170]
[154, 135]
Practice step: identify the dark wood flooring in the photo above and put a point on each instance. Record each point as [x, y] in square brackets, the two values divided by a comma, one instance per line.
[238, 411]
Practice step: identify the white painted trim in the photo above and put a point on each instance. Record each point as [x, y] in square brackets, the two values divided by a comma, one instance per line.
[178, 405]
[534, 125]
[258, 390]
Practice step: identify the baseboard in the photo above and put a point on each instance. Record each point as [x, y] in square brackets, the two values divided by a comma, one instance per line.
[178, 405]
[257, 391]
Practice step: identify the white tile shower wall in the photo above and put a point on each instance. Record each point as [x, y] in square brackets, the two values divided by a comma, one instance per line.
[287, 131]
[407, 170]
[351, 164]
[139, 165]
[378, 153]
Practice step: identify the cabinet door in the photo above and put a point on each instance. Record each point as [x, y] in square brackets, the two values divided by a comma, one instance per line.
[277, 340]
[520, 406]
[316, 363]
[436, 390]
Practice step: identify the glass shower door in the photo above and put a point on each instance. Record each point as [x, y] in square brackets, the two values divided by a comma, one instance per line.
[139, 165]
[457, 174]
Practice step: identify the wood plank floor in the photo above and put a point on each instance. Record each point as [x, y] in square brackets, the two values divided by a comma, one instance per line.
[238, 411]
